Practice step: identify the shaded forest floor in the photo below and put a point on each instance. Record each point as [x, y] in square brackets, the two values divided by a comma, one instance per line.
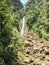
[35, 50]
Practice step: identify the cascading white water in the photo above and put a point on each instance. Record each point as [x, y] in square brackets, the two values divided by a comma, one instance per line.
[22, 30]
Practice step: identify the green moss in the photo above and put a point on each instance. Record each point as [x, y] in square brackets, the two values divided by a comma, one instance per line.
[40, 64]
[21, 56]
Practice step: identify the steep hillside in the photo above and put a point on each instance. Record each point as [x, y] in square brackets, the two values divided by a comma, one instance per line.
[35, 51]
[37, 13]
[9, 30]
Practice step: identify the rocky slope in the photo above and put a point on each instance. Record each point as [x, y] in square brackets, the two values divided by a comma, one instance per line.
[35, 50]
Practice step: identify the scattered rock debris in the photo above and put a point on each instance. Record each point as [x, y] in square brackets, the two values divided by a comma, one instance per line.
[35, 50]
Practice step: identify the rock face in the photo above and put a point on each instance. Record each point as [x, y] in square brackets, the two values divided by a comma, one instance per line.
[35, 50]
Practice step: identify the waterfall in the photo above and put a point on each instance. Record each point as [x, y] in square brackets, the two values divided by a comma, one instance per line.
[22, 30]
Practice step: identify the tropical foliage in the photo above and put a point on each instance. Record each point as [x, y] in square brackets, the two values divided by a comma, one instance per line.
[9, 31]
[38, 17]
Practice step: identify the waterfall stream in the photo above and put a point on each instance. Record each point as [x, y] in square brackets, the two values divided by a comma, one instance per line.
[22, 30]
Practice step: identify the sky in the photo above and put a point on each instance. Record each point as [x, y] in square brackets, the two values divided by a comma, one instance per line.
[24, 1]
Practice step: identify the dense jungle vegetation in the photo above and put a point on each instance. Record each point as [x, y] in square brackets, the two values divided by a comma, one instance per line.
[38, 17]
[11, 14]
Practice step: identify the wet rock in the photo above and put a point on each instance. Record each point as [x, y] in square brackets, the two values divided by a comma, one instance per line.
[41, 50]
[41, 41]
[47, 51]
[47, 57]
[31, 61]
[41, 56]
[28, 52]
[26, 60]
[33, 41]
[27, 45]
[29, 40]
[26, 42]
[37, 60]
[35, 49]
